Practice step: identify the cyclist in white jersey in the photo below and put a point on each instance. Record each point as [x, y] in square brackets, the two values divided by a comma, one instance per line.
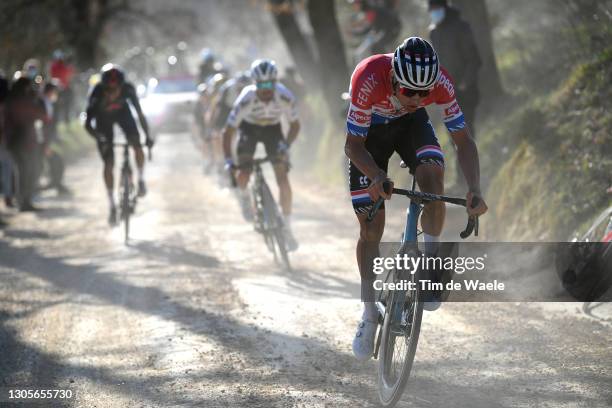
[257, 115]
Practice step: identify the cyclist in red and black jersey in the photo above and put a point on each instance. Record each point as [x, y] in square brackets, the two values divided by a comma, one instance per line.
[109, 104]
[389, 93]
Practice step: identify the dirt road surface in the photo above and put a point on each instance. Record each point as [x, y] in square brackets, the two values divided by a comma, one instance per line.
[195, 313]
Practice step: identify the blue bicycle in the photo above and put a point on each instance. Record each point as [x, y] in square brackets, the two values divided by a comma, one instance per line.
[400, 311]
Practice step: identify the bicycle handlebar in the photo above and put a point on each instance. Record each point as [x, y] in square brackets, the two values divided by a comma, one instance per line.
[472, 225]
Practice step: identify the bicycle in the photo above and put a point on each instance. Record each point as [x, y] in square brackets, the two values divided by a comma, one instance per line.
[267, 219]
[400, 311]
[127, 192]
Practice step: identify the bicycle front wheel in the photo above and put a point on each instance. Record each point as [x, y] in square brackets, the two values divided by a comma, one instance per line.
[274, 226]
[282, 248]
[125, 205]
[399, 339]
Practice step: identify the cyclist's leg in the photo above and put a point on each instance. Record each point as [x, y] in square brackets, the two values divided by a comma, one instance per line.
[379, 144]
[245, 150]
[104, 126]
[380, 147]
[272, 138]
[128, 125]
[422, 152]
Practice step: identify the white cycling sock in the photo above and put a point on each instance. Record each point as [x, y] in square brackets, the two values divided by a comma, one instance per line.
[111, 198]
[431, 244]
[370, 312]
[141, 173]
[287, 220]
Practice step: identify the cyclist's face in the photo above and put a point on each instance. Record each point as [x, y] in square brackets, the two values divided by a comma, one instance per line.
[412, 101]
[113, 91]
[265, 90]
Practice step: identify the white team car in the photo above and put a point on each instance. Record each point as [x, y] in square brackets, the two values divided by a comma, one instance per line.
[169, 102]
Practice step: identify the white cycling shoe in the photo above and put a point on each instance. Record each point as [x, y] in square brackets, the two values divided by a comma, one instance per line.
[363, 343]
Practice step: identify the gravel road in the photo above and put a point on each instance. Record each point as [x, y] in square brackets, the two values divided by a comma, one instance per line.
[195, 313]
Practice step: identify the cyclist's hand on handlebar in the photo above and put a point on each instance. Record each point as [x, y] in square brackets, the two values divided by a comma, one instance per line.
[282, 148]
[149, 142]
[376, 189]
[101, 138]
[229, 165]
[481, 206]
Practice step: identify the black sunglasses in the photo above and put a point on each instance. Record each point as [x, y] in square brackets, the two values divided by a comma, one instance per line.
[412, 92]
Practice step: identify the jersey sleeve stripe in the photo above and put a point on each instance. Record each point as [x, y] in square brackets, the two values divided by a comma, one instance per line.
[357, 130]
[455, 124]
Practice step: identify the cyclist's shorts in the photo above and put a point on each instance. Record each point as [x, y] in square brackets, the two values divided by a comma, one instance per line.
[251, 134]
[412, 137]
[104, 125]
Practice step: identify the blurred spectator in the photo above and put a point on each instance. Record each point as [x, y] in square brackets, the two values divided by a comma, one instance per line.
[6, 165]
[31, 69]
[63, 72]
[54, 160]
[21, 111]
[453, 40]
[380, 27]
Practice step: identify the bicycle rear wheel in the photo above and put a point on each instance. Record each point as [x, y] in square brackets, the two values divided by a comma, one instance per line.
[399, 338]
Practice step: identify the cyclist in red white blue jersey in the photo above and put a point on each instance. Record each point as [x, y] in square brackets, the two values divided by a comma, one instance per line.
[389, 93]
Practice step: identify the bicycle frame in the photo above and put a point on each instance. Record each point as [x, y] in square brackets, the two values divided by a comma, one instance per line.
[410, 235]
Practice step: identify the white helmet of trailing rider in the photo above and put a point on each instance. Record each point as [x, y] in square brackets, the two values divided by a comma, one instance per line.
[263, 70]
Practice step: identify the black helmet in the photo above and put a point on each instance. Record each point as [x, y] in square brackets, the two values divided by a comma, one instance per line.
[112, 75]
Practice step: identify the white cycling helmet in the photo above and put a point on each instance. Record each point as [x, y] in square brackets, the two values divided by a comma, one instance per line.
[207, 56]
[415, 64]
[264, 70]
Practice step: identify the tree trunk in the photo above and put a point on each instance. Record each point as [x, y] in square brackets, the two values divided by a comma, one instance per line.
[333, 67]
[305, 61]
[476, 14]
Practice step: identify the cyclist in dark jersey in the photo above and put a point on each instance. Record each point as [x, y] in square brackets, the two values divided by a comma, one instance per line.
[109, 104]
[389, 93]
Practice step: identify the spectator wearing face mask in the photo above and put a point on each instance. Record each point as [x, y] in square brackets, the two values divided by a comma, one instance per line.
[453, 40]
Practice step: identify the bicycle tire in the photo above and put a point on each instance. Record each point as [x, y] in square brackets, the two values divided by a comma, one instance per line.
[261, 218]
[282, 248]
[390, 394]
[125, 206]
[275, 226]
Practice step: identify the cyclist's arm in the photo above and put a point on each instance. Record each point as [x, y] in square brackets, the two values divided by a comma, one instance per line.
[294, 129]
[133, 98]
[467, 153]
[91, 110]
[228, 136]
[291, 112]
[355, 150]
